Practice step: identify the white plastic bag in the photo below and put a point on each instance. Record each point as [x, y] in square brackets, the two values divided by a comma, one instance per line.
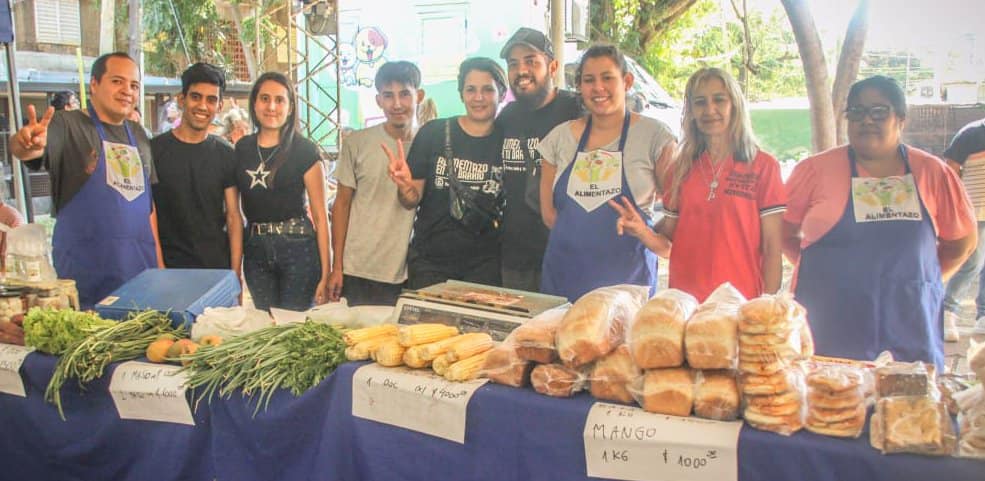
[28, 258]
[229, 322]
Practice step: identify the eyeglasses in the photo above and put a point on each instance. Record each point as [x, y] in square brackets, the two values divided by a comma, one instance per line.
[877, 113]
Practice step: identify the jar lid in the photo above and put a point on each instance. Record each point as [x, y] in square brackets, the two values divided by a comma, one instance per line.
[10, 291]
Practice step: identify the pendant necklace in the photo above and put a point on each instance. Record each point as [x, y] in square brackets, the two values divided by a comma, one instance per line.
[713, 184]
[259, 176]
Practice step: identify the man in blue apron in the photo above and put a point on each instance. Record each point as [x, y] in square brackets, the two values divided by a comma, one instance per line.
[584, 251]
[101, 175]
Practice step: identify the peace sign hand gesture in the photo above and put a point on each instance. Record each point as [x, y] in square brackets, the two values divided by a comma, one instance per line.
[398, 168]
[29, 142]
[630, 222]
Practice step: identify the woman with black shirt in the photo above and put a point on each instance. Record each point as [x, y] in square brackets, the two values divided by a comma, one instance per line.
[456, 242]
[276, 167]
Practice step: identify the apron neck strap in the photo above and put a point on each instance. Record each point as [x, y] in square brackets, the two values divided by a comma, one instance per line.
[903, 153]
[102, 131]
[588, 130]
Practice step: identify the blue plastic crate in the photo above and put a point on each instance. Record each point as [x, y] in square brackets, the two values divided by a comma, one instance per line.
[185, 293]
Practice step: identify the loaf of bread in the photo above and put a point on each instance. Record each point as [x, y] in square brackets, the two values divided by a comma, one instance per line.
[556, 380]
[905, 379]
[504, 366]
[611, 376]
[914, 424]
[534, 340]
[711, 335]
[668, 391]
[656, 334]
[594, 325]
[716, 395]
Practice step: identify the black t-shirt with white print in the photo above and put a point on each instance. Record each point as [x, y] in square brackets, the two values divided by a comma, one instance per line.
[281, 196]
[436, 234]
[524, 233]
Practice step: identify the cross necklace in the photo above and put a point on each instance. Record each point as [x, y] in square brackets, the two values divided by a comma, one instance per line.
[713, 184]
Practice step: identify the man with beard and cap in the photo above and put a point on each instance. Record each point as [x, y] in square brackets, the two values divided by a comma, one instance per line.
[196, 195]
[538, 108]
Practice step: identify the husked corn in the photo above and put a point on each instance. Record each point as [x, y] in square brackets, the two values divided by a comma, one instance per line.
[424, 333]
[364, 349]
[413, 357]
[481, 342]
[440, 365]
[466, 369]
[356, 336]
[432, 350]
[390, 353]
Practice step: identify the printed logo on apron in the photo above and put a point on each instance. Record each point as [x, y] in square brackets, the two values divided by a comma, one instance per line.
[596, 177]
[124, 171]
[886, 199]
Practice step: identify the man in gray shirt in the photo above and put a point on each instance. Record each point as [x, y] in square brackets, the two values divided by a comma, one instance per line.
[370, 228]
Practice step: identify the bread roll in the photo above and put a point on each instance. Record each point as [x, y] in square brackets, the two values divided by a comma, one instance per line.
[503, 366]
[534, 340]
[785, 425]
[656, 335]
[716, 396]
[668, 391]
[594, 325]
[556, 380]
[611, 376]
[915, 424]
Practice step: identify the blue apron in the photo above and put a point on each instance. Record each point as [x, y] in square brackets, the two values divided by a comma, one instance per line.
[875, 286]
[584, 251]
[101, 239]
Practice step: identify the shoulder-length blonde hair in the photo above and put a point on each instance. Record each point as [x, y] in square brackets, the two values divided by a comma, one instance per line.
[693, 141]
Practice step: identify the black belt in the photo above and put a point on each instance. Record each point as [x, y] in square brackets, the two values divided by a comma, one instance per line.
[296, 226]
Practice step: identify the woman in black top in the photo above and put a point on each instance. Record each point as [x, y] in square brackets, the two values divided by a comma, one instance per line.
[276, 167]
[446, 243]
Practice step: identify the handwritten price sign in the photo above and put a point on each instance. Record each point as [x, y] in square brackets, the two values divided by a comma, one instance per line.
[623, 442]
[413, 399]
[150, 392]
[11, 358]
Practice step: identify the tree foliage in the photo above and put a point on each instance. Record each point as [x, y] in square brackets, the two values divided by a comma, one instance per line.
[165, 42]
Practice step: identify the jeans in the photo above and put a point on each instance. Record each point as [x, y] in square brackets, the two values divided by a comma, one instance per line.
[360, 292]
[423, 272]
[959, 283]
[282, 270]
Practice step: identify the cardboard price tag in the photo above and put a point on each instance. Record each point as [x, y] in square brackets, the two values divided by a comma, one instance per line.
[11, 359]
[624, 442]
[150, 392]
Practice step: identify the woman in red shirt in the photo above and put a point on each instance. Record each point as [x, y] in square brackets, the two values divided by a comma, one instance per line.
[723, 199]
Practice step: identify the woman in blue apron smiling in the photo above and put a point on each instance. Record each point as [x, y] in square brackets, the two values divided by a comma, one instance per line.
[876, 225]
[588, 161]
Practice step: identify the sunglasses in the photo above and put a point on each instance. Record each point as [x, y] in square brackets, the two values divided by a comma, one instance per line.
[857, 113]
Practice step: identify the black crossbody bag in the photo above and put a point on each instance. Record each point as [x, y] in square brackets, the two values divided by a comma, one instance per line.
[477, 212]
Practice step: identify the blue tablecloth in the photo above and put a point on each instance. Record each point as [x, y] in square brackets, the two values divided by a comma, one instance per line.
[512, 434]
[93, 443]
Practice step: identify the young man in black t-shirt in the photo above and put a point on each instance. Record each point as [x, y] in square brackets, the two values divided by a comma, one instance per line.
[539, 107]
[196, 195]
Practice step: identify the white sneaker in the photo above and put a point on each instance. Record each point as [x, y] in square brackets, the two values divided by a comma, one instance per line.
[951, 327]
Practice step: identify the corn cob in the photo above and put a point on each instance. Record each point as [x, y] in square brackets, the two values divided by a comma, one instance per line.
[356, 336]
[432, 350]
[424, 333]
[440, 365]
[469, 347]
[466, 369]
[390, 353]
[413, 357]
[364, 349]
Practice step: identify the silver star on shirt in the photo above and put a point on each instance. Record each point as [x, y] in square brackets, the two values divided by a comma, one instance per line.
[258, 176]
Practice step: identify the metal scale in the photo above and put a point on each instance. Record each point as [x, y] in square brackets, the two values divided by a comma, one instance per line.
[473, 307]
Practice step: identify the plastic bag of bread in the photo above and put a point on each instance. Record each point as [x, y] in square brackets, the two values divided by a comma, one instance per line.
[952, 383]
[912, 424]
[710, 338]
[594, 325]
[534, 339]
[770, 333]
[656, 335]
[716, 395]
[836, 401]
[504, 366]
[976, 359]
[557, 380]
[775, 401]
[971, 422]
[906, 379]
[666, 391]
[611, 376]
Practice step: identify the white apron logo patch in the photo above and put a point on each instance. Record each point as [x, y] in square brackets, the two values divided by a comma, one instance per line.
[124, 171]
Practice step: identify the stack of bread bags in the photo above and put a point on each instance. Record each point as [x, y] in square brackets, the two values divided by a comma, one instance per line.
[909, 416]
[836, 396]
[659, 343]
[511, 362]
[770, 353]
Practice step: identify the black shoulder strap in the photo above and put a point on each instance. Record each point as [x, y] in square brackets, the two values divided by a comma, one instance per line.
[449, 154]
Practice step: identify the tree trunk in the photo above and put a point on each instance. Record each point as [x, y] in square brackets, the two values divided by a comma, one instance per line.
[815, 73]
[134, 33]
[848, 65]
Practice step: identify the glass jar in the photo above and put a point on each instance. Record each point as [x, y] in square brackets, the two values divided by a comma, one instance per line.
[69, 293]
[50, 298]
[10, 304]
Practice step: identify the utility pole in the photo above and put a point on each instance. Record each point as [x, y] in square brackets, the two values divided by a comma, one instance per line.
[557, 38]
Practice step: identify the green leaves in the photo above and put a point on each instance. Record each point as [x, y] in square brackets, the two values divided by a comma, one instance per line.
[53, 331]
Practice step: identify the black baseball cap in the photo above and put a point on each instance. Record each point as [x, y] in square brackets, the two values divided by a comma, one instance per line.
[531, 38]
